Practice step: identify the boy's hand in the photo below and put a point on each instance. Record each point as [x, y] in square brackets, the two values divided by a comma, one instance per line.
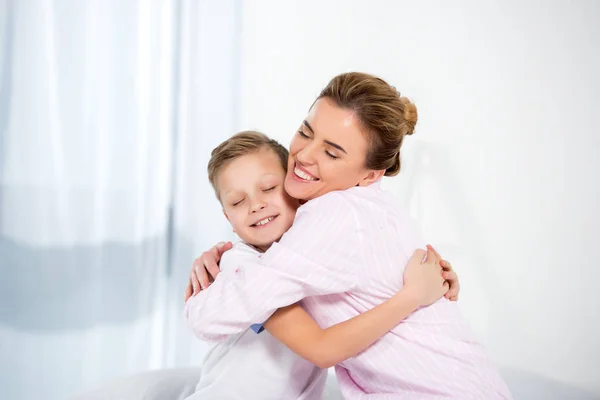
[205, 269]
[449, 275]
[424, 278]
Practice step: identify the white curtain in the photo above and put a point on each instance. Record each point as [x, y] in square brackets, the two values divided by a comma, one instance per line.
[108, 110]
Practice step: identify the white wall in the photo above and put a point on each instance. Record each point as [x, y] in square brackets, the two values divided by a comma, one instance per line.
[503, 169]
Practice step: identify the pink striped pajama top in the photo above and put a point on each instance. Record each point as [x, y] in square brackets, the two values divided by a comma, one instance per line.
[345, 254]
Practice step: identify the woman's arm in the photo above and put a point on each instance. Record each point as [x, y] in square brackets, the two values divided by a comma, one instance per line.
[295, 328]
[319, 255]
[205, 269]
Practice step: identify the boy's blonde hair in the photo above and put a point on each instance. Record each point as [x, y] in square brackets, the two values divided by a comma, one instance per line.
[239, 145]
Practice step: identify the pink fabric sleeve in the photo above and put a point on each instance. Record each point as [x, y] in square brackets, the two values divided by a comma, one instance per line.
[319, 255]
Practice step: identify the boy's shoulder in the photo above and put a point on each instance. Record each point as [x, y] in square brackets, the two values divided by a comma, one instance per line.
[239, 253]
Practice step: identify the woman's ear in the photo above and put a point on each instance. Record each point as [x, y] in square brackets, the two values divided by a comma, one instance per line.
[372, 176]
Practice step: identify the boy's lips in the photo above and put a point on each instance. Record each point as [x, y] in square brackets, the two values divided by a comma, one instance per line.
[261, 223]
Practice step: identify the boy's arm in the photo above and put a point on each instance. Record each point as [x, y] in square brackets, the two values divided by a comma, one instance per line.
[295, 328]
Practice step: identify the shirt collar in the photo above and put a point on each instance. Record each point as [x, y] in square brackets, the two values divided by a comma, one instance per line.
[376, 184]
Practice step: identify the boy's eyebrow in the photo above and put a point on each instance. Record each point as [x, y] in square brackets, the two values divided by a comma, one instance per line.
[337, 146]
[236, 191]
[229, 191]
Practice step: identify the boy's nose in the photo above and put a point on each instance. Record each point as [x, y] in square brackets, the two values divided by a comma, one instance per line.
[257, 206]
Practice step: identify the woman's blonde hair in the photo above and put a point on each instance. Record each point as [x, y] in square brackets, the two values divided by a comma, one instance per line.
[382, 111]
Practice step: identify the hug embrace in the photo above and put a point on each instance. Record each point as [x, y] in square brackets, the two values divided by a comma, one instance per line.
[330, 271]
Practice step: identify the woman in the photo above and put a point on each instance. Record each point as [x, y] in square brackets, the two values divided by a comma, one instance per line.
[344, 252]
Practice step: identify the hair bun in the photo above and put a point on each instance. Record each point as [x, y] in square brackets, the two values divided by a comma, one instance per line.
[395, 168]
[410, 115]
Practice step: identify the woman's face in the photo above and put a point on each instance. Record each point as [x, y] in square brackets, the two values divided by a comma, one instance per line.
[327, 153]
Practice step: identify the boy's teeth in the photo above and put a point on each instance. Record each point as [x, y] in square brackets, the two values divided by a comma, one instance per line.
[303, 175]
[264, 221]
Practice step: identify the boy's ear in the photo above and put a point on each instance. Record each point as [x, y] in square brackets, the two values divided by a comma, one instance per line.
[226, 216]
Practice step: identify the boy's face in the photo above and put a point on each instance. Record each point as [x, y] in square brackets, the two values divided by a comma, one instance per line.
[254, 200]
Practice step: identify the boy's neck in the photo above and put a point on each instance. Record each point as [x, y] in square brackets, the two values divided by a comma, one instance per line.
[260, 249]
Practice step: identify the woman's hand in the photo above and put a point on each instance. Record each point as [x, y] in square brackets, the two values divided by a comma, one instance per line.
[423, 279]
[449, 275]
[205, 269]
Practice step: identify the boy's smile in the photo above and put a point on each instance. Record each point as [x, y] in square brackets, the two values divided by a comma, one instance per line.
[254, 200]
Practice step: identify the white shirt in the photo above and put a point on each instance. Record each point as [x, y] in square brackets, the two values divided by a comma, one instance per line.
[254, 366]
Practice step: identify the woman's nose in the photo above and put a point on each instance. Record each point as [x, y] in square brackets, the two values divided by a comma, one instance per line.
[307, 155]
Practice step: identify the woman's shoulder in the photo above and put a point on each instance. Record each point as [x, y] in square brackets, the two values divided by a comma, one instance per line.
[347, 207]
[329, 203]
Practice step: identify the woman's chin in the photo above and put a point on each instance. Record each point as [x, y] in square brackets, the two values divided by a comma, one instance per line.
[297, 190]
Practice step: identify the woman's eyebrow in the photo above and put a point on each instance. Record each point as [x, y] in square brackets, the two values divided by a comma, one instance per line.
[305, 122]
[337, 146]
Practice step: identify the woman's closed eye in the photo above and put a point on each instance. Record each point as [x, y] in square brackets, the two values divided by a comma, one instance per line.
[331, 155]
[304, 135]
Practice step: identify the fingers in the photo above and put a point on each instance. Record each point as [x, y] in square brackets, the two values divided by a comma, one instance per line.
[223, 247]
[213, 269]
[450, 276]
[451, 297]
[430, 248]
[219, 249]
[189, 290]
[431, 256]
[446, 287]
[200, 275]
[446, 265]
[194, 280]
[211, 258]
[452, 293]
[206, 268]
[418, 256]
